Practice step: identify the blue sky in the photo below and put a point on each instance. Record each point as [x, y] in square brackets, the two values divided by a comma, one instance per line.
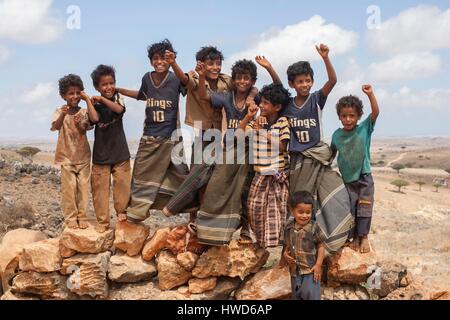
[406, 59]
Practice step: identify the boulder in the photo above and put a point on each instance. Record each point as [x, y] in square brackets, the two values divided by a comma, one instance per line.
[9, 296]
[391, 275]
[268, 284]
[88, 274]
[181, 239]
[170, 273]
[232, 260]
[155, 244]
[45, 285]
[41, 256]
[202, 285]
[130, 237]
[66, 252]
[87, 240]
[125, 269]
[350, 267]
[187, 260]
[415, 291]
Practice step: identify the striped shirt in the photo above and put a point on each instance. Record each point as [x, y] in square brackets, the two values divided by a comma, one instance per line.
[267, 156]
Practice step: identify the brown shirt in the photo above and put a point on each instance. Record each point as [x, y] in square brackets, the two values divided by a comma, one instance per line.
[72, 147]
[199, 110]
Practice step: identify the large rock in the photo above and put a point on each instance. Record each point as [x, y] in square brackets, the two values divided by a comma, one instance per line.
[350, 267]
[88, 274]
[9, 296]
[181, 239]
[202, 285]
[187, 260]
[45, 285]
[390, 275]
[42, 256]
[22, 237]
[233, 260]
[87, 240]
[156, 244]
[170, 273]
[269, 284]
[130, 237]
[125, 269]
[66, 252]
[415, 291]
[345, 292]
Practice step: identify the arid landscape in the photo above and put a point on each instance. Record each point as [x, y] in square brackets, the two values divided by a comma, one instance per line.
[411, 226]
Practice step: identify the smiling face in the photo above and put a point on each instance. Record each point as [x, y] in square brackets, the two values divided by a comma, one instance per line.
[72, 96]
[302, 84]
[349, 117]
[107, 86]
[159, 63]
[213, 68]
[268, 109]
[302, 213]
[243, 82]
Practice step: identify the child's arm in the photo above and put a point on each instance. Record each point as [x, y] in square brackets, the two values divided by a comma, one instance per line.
[368, 90]
[203, 93]
[114, 107]
[56, 125]
[263, 62]
[85, 125]
[170, 58]
[129, 93]
[323, 50]
[251, 113]
[317, 269]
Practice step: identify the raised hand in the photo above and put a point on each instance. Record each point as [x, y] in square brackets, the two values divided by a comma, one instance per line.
[252, 110]
[84, 96]
[323, 50]
[170, 57]
[200, 68]
[263, 62]
[367, 89]
[65, 110]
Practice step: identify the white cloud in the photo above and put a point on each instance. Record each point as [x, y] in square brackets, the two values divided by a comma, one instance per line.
[422, 28]
[38, 94]
[29, 21]
[297, 42]
[407, 66]
[4, 54]
[434, 98]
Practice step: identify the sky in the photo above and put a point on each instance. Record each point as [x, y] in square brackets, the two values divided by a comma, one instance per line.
[402, 48]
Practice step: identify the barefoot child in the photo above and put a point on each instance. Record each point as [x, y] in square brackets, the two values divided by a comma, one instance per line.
[111, 156]
[352, 142]
[72, 151]
[303, 249]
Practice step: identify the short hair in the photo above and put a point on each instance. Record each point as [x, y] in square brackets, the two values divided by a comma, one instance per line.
[70, 80]
[300, 68]
[159, 48]
[350, 101]
[208, 52]
[301, 197]
[244, 66]
[276, 94]
[101, 71]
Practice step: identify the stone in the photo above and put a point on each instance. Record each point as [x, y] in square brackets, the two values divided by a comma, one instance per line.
[392, 274]
[42, 256]
[443, 295]
[130, 237]
[45, 285]
[66, 252]
[88, 274]
[271, 284]
[155, 244]
[350, 267]
[125, 269]
[202, 285]
[87, 240]
[187, 260]
[170, 273]
[415, 291]
[9, 296]
[232, 260]
[181, 239]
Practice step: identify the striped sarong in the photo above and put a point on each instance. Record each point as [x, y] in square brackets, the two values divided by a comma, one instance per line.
[267, 206]
[311, 171]
[155, 177]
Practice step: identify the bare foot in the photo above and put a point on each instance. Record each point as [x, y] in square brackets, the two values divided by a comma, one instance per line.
[72, 224]
[354, 245]
[83, 224]
[122, 217]
[101, 229]
[365, 245]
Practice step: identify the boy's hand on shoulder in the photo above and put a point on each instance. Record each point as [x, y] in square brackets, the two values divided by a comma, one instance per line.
[323, 50]
[200, 68]
[317, 270]
[367, 89]
[97, 99]
[170, 57]
[263, 62]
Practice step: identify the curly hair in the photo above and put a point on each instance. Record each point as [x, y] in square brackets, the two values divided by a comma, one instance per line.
[352, 102]
[208, 52]
[301, 197]
[160, 48]
[276, 94]
[101, 71]
[300, 68]
[70, 80]
[244, 67]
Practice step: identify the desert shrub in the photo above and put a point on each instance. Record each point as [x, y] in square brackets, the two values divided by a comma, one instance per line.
[400, 184]
[397, 167]
[420, 183]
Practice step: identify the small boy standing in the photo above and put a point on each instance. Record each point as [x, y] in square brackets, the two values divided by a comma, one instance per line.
[352, 142]
[111, 156]
[269, 190]
[303, 249]
[72, 151]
